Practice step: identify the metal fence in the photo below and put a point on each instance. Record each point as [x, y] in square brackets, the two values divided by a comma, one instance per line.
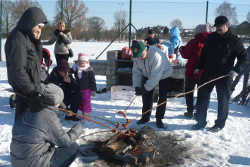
[105, 21]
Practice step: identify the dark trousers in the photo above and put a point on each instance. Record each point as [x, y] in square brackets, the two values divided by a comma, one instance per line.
[21, 105]
[61, 56]
[63, 157]
[148, 97]
[222, 88]
[74, 100]
[189, 86]
[237, 79]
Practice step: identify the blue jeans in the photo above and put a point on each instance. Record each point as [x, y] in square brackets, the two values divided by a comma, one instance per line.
[222, 88]
[63, 157]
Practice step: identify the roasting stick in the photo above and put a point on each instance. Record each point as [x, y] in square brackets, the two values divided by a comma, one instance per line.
[130, 103]
[73, 113]
[181, 95]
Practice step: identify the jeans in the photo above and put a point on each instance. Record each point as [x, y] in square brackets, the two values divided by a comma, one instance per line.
[189, 86]
[147, 98]
[222, 88]
[74, 100]
[63, 157]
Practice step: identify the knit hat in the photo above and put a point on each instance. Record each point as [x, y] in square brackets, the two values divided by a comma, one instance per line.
[63, 65]
[83, 56]
[201, 28]
[150, 31]
[52, 92]
[138, 48]
[220, 20]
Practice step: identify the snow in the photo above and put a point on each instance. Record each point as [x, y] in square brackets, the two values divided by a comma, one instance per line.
[229, 147]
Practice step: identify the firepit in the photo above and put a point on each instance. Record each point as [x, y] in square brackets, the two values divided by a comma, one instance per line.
[143, 147]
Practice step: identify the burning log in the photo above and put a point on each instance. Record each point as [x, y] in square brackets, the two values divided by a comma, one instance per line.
[131, 146]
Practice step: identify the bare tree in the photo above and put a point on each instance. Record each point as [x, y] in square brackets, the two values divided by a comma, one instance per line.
[120, 21]
[176, 23]
[73, 11]
[227, 10]
[95, 26]
[20, 6]
[248, 17]
[7, 21]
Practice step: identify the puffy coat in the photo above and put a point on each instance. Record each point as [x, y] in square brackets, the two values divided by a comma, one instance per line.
[87, 80]
[36, 133]
[174, 42]
[156, 67]
[62, 42]
[67, 88]
[192, 52]
[218, 55]
[151, 41]
[23, 52]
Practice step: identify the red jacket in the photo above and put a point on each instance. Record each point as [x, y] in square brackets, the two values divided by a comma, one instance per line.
[192, 52]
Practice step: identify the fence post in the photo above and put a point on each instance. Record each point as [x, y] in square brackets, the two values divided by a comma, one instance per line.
[61, 9]
[206, 11]
[1, 31]
[130, 13]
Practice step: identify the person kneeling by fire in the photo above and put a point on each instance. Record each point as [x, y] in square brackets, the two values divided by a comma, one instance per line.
[150, 67]
[38, 131]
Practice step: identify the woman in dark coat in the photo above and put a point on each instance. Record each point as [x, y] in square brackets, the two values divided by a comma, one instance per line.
[36, 133]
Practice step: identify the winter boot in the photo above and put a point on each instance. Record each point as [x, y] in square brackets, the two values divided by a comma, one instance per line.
[86, 115]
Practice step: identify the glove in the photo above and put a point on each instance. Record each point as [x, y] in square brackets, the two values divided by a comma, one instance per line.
[232, 74]
[93, 93]
[196, 73]
[143, 90]
[137, 91]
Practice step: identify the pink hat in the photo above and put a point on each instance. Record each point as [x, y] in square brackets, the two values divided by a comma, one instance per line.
[83, 56]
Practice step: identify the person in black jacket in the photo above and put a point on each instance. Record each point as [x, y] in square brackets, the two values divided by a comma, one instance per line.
[23, 49]
[60, 76]
[217, 59]
[151, 39]
[37, 132]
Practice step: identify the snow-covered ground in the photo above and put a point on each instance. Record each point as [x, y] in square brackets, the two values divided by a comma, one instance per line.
[227, 148]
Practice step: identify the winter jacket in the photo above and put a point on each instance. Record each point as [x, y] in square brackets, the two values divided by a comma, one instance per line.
[67, 88]
[151, 41]
[36, 133]
[192, 52]
[23, 51]
[175, 41]
[218, 55]
[62, 42]
[156, 67]
[87, 80]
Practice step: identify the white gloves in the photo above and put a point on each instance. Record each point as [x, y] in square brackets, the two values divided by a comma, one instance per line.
[232, 73]
[93, 93]
[196, 73]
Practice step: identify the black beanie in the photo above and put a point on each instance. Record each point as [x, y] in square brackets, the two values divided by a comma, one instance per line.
[63, 65]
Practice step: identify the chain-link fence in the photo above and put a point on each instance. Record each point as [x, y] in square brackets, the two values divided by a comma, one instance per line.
[104, 21]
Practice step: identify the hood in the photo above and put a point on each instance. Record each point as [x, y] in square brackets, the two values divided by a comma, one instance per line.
[30, 18]
[202, 37]
[175, 33]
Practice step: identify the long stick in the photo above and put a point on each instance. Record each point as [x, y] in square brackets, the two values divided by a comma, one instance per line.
[66, 111]
[130, 103]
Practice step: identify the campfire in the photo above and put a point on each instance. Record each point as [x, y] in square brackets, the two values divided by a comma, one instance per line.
[131, 146]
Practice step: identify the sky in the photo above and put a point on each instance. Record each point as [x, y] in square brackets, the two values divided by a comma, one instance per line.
[230, 147]
[152, 13]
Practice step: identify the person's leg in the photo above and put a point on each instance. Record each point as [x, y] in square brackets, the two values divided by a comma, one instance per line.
[246, 79]
[163, 90]
[202, 105]
[189, 86]
[74, 100]
[61, 56]
[86, 104]
[21, 104]
[223, 88]
[63, 157]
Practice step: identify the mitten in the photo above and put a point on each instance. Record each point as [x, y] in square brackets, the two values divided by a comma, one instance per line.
[196, 73]
[232, 74]
[137, 91]
[93, 93]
